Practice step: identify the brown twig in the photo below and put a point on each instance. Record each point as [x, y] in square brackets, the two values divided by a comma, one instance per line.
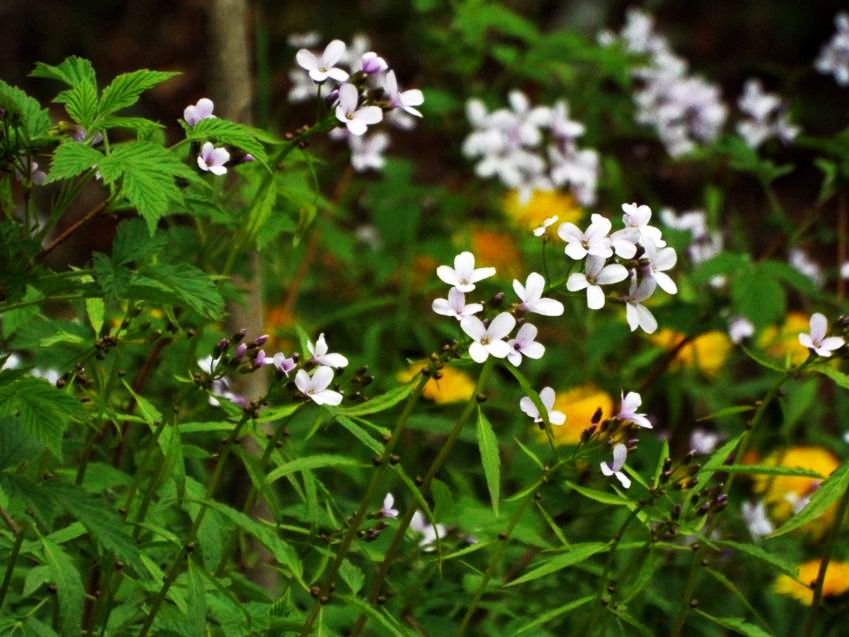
[70, 230]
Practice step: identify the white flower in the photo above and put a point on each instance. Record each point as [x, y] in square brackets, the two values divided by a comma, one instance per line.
[703, 441]
[430, 532]
[282, 363]
[817, 340]
[659, 262]
[594, 276]
[303, 88]
[356, 119]
[320, 68]
[488, 340]
[844, 270]
[562, 127]
[740, 329]
[388, 510]
[13, 361]
[524, 344]
[636, 219]
[455, 305]
[756, 520]
[628, 411]
[406, 100]
[315, 387]
[207, 364]
[834, 57]
[595, 241]
[52, 376]
[320, 355]
[367, 151]
[463, 275]
[637, 314]
[196, 112]
[765, 116]
[531, 296]
[620, 454]
[213, 159]
[543, 229]
[803, 263]
[371, 63]
[546, 397]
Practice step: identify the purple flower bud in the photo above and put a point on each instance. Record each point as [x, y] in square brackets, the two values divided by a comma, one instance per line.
[260, 358]
[240, 351]
[261, 340]
[247, 158]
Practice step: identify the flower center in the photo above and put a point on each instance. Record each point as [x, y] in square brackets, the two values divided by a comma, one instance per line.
[485, 340]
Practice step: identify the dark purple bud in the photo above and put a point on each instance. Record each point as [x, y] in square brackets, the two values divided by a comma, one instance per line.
[238, 336]
[247, 158]
[240, 351]
[261, 340]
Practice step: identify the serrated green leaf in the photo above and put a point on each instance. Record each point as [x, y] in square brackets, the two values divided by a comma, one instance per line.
[178, 284]
[308, 463]
[72, 71]
[134, 243]
[81, 103]
[574, 555]
[44, 412]
[112, 279]
[758, 296]
[95, 309]
[16, 444]
[125, 89]
[34, 119]
[490, 459]
[69, 587]
[827, 494]
[72, 159]
[224, 131]
[739, 626]
[352, 576]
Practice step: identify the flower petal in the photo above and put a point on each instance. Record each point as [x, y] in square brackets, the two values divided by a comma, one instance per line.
[501, 326]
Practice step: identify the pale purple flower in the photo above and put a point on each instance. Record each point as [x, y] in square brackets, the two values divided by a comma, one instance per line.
[260, 358]
[356, 119]
[212, 159]
[488, 340]
[322, 356]
[429, 532]
[36, 176]
[372, 63]
[546, 397]
[388, 509]
[756, 519]
[367, 151]
[703, 441]
[740, 329]
[636, 218]
[628, 410]
[525, 345]
[562, 127]
[834, 56]
[463, 275]
[577, 168]
[817, 340]
[595, 241]
[620, 454]
[802, 262]
[596, 274]
[315, 387]
[455, 305]
[531, 296]
[765, 116]
[637, 314]
[284, 364]
[196, 112]
[404, 100]
[323, 66]
[540, 231]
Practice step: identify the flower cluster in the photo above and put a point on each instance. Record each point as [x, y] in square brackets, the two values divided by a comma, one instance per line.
[210, 159]
[640, 256]
[531, 147]
[490, 338]
[817, 341]
[364, 87]
[705, 243]
[834, 57]
[685, 110]
[766, 116]
[249, 357]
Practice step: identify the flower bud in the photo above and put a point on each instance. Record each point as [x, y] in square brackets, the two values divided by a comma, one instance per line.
[240, 351]
[261, 340]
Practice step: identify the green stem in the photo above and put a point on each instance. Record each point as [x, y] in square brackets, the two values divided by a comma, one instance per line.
[826, 558]
[404, 523]
[365, 503]
[177, 564]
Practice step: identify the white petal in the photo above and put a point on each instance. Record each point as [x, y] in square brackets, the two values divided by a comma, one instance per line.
[576, 281]
[534, 350]
[337, 74]
[482, 273]
[327, 397]
[501, 326]
[478, 352]
[528, 407]
[819, 326]
[334, 360]
[369, 115]
[499, 349]
[625, 480]
[534, 286]
[556, 417]
[302, 381]
[321, 378]
[356, 127]
[605, 469]
[665, 283]
[464, 264]
[448, 275]
[515, 357]
[613, 273]
[805, 340]
[306, 60]
[575, 251]
[474, 327]
[519, 289]
[320, 346]
[547, 307]
[443, 307]
[333, 52]
[595, 297]
[620, 454]
[646, 319]
[833, 343]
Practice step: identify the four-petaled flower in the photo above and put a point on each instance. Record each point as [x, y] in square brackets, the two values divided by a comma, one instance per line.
[320, 68]
[546, 397]
[212, 159]
[320, 355]
[595, 275]
[284, 364]
[620, 453]
[628, 411]
[405, 100]
[356, 119]
[315, 387]
[817, 340]
[488, 339]
[531, 296]
[193, 113]
[430, 532]
[463, 275]
[660, 261]
[455, 305]
[594, 241]
[525, 345]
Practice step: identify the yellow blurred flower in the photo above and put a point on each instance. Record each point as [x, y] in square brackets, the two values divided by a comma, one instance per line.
[541, 205]
[784, 494]
[496, 249]
[579, 404]
[836, 581]
[454, 385]
[706, 352]
[779, 341]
